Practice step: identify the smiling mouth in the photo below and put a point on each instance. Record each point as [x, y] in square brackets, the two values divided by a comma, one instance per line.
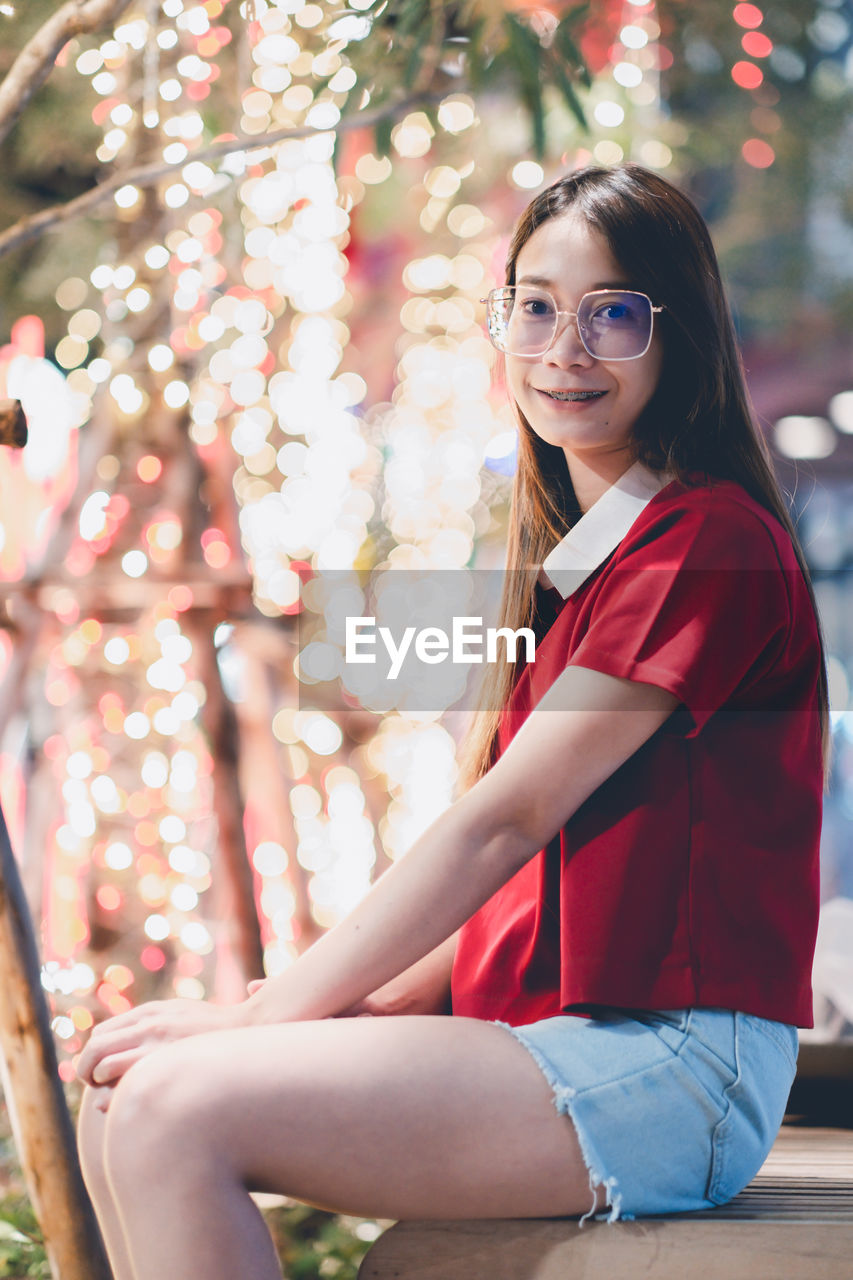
[574, 395]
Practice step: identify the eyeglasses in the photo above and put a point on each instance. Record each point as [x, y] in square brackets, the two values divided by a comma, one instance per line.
[613, 324]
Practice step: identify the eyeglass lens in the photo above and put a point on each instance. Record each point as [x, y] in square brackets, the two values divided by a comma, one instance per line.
[613, 324]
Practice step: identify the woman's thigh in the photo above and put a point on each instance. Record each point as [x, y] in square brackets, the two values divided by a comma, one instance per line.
[378, 1117]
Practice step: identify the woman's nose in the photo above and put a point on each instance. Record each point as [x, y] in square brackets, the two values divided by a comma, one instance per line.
[567, 348]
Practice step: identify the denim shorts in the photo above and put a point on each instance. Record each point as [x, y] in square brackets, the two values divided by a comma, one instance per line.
[675, 1110]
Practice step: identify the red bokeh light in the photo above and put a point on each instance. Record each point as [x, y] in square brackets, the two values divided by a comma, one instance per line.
[110, 996]
[109, 898]
[217, 554]
[180, 598]
[748, 15]
[758, 153]
[152, 959]
[756, 44]
[215, 549]
[747, 75]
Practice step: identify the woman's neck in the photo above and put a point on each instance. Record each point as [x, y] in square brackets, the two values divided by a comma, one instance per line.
[592, 476]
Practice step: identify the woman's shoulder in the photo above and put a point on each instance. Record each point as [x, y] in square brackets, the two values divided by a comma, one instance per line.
[718, 519]
[711, 495]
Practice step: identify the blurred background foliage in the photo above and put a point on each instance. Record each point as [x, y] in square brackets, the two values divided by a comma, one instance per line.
[769, 223]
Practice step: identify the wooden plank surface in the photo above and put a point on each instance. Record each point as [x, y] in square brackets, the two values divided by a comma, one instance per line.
[546, 1249]
[794, 1220]
[808, 1176]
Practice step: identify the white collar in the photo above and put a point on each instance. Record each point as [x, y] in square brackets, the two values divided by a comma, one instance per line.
[600, 530]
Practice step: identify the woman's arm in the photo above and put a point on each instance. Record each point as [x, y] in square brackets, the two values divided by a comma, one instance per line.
[422, 988]
[584, 728]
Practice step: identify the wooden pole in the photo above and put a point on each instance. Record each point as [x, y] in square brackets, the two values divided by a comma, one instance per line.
[44, 1135]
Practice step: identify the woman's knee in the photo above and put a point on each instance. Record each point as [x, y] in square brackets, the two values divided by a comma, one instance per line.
[159, 1112]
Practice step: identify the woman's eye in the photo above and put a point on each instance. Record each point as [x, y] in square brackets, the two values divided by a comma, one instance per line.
[536, 307]
[613, 311]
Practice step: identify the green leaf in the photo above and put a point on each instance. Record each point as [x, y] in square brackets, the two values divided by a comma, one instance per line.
[538, 121]
[414, 15]
[564, 42]
[475, 57]
[8, 1232]
[526, 53]
[382, 135]
[567, 89]
[524, 43]
[413, 64]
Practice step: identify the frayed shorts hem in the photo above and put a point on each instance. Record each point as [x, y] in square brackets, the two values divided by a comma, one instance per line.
[674, 1110]
[563, 1102]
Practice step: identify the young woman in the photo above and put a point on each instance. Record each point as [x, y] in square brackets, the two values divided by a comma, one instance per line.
[624, 902]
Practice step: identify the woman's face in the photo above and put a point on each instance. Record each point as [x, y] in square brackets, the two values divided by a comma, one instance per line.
[570, 258]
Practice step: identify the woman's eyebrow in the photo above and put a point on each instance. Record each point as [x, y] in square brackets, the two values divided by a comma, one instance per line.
[540, 280]
[544, 283]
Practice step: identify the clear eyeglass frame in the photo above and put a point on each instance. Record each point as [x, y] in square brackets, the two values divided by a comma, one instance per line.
[494, 295]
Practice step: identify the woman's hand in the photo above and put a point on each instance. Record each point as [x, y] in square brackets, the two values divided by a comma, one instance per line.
[116, 1044]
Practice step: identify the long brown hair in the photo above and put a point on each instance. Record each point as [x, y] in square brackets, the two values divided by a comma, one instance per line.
[699, 419]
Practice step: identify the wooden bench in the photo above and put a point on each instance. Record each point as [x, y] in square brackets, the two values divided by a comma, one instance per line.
[793, 1222]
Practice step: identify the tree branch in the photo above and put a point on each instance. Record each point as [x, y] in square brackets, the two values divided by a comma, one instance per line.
[30, 228]
[36, 60]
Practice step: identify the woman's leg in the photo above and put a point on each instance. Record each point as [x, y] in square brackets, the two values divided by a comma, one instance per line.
[408, 1117]
[91, 1134]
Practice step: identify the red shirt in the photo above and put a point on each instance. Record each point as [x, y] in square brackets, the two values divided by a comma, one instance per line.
[691, 876]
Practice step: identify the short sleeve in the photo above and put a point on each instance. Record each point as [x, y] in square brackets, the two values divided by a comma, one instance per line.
[696, 600]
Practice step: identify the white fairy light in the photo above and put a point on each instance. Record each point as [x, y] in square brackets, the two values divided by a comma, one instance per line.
[126, 197]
